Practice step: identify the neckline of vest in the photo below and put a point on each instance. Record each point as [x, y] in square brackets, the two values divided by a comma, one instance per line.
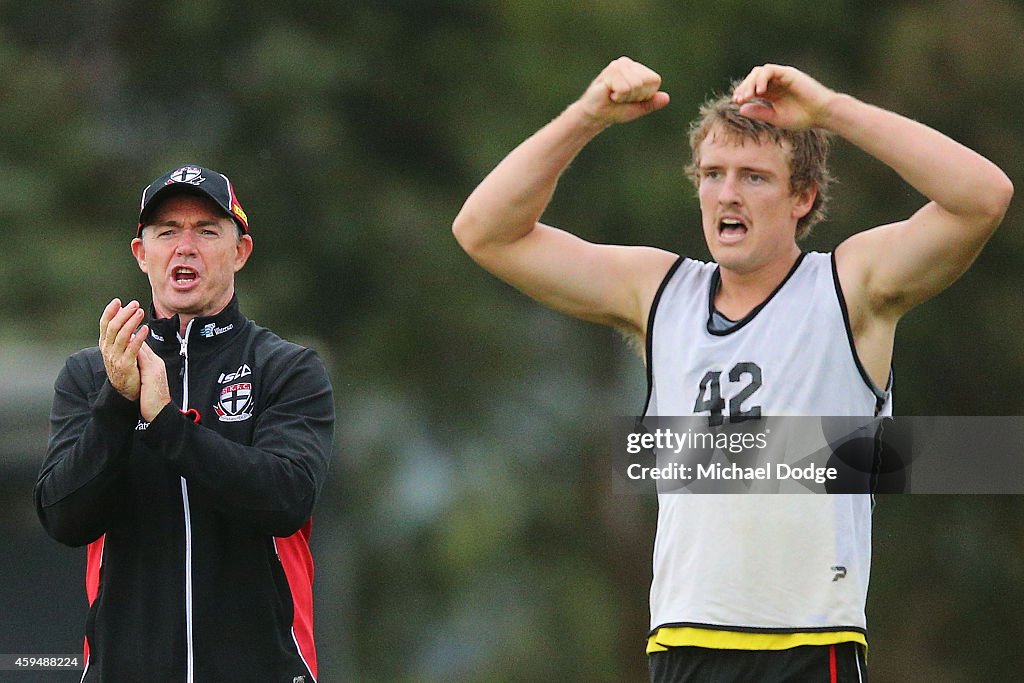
[713, 286]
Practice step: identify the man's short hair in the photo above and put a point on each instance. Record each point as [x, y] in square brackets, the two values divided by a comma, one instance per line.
[808, 158]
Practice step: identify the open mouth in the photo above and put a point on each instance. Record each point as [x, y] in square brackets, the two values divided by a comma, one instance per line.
[183, 275]
[731, 229]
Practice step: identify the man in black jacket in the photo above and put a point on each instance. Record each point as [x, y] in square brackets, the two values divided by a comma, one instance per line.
[188, 453]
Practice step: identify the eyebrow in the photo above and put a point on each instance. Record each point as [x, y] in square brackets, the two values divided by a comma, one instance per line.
[171, 223]
[746, 169]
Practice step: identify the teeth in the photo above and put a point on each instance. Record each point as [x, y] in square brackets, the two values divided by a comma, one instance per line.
[731, 221]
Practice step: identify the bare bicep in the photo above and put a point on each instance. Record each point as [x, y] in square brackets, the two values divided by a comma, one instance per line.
[608, 284]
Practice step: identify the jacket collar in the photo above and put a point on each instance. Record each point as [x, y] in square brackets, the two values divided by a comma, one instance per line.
[203, 333]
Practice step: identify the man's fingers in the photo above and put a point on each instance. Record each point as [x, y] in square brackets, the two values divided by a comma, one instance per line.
[757, 111]
[625, 90]
[138, 340]
[124, 334]
[152, 370]
[658, 101]
[153, 392]
[108, 313]
[147, 354]
[752, 86]
[618, 88]
[761, 81]
[764, 77]
[120, 319]
[143, 357]
[629, 81]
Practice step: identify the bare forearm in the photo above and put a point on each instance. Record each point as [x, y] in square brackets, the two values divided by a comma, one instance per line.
[510, 200]
[959, 180]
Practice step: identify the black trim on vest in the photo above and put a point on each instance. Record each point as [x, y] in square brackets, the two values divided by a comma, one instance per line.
[758, 629]
[880, 396]
[649, 342]
[716, 279]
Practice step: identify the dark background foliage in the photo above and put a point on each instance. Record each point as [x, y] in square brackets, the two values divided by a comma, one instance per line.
[468, 531]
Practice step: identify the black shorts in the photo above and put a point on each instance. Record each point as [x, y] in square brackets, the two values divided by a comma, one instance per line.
[842, 663]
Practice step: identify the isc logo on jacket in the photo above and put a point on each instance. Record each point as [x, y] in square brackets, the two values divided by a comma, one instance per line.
[241, 372]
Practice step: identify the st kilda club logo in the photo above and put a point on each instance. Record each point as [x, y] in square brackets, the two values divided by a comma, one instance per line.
[235, 403]
[187, 174]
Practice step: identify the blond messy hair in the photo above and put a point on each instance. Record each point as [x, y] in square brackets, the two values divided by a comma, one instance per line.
[808, 153]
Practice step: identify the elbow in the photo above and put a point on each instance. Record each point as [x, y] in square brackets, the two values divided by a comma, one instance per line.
[1005, 193]
[64, 532]
[476, 231]
[989, 207]
[464, 233]
[293, 510]
[286, 523]
[484, 239]
[998, 199]
[66, 522]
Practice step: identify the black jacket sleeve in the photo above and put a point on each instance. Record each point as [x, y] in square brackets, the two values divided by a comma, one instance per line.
[91, 430]
[272, 484]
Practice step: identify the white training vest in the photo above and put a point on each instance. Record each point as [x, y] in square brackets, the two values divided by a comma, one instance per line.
[760, 562]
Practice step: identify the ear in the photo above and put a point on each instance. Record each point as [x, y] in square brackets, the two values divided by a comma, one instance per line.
[803, 202]
[243, 250]
[139, 252]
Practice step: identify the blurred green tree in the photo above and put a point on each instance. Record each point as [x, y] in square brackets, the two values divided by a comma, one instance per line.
[469, 531]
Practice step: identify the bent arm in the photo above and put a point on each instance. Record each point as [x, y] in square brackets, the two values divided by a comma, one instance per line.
[499, 226]
[888, 270]
[83, 474]
[900, 265]
[272, 484]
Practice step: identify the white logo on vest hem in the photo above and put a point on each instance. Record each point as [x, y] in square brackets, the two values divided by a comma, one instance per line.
[235, 403]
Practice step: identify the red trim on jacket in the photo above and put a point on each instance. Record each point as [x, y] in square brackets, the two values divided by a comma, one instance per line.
[297, 562]
[93, 561]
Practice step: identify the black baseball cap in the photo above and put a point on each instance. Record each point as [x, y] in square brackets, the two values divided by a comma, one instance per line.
[195, 180]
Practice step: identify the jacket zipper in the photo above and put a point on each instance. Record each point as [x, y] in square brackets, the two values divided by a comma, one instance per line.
[189, 664]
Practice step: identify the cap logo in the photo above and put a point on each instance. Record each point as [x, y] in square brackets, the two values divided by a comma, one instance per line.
[187, 174]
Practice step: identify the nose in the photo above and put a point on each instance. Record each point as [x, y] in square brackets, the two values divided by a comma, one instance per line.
[186, 243]
[729, 190]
